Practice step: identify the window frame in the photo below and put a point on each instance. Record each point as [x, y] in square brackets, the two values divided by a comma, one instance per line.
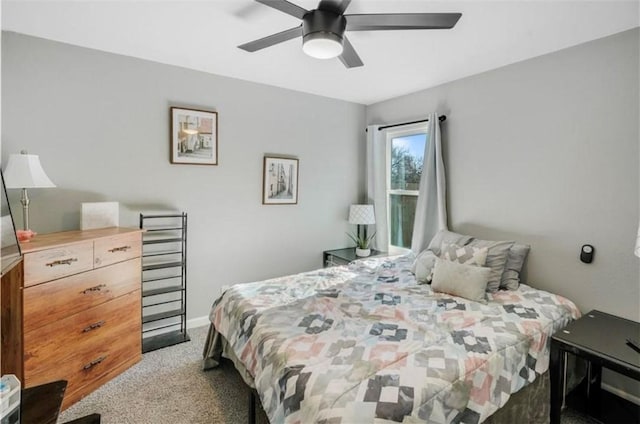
[390, 134]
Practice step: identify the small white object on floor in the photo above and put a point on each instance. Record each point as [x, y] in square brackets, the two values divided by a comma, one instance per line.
[9, 396]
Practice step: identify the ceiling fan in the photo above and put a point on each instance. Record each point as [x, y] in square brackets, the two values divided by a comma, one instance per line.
[322, 29]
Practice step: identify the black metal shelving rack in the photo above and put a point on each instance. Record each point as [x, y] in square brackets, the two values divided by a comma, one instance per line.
[164, 279]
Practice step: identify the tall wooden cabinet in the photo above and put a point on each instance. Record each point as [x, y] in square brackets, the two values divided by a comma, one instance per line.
[78, 309]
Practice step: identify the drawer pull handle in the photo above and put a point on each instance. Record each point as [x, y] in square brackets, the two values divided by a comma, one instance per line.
[119, 249]
[93, 326]
[94, 288]
[94, 363]
[62, 262]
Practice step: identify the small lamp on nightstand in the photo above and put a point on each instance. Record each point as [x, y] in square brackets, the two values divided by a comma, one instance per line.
[362, 215]
[24, 171]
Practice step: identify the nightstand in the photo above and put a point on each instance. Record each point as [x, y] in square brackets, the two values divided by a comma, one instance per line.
[599, 338]
[344, 256]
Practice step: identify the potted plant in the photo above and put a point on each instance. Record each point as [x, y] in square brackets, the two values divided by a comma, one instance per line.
[362, 244]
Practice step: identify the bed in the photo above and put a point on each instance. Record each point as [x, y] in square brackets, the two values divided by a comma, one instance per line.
[365, 343]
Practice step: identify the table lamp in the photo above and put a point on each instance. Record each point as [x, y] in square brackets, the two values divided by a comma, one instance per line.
[24, 171]
[362, 215]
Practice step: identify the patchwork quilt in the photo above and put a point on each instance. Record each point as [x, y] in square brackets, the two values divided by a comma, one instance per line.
[364, 343]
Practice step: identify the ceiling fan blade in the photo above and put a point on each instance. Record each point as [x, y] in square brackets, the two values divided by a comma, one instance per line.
[271, 40]
[349, 57]
[337, 6]
[394, 21]
[286, 7]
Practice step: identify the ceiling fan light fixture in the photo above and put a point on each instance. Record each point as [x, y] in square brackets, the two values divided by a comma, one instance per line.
[322, 45]
[323, 29]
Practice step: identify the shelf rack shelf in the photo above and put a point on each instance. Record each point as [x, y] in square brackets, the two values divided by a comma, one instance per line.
[164, 280]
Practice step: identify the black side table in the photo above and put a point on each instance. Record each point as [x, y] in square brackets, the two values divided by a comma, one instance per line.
[41, 405]
[344, 256]
[599, 338]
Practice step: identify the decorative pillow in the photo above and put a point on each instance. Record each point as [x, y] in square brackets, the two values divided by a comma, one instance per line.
[515, 260]
[466, 281]
[447, 237]
[496, 260]
[466, 255]
[423, 266]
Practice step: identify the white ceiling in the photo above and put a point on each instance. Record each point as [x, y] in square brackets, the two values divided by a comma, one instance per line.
[203, 35]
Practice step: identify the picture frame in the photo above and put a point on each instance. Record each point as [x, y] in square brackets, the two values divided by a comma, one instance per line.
[194, 136]
[280, 181]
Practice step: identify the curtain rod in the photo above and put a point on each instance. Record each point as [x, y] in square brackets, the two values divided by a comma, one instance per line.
[441, 118]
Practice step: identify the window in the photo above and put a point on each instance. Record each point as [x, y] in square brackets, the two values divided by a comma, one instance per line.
[405, 157]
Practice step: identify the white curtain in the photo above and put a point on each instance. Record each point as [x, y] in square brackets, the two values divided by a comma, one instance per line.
[377, 184]
[431, 209]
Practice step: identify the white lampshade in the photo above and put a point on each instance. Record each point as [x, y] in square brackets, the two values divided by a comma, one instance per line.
[24, 171]
[361, 214]
[637, 251]
[322, 45]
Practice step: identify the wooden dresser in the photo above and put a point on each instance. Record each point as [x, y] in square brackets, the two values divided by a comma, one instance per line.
[78, 310]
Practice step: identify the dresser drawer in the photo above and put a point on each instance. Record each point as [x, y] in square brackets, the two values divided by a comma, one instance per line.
[86, 345]
[109, 250]
[49, 264]
[52, 301]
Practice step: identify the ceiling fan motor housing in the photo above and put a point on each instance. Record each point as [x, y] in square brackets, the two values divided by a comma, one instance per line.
[323, 24]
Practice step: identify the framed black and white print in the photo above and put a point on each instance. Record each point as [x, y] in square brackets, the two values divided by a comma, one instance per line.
[194, 136]
[280, 181]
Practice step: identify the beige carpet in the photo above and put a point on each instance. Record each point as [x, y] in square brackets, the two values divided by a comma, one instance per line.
[169, 386]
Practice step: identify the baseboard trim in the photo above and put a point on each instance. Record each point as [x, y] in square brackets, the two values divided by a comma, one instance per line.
[621, 393]
[198, 322]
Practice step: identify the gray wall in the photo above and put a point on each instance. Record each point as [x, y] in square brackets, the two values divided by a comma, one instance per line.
[100, 123]
[545, 151]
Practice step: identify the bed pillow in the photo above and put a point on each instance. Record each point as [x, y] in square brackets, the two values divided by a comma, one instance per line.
[423, 266]
[496, 260]
[466, 255]
[447, 237]
[515, 261]
[466, 281]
